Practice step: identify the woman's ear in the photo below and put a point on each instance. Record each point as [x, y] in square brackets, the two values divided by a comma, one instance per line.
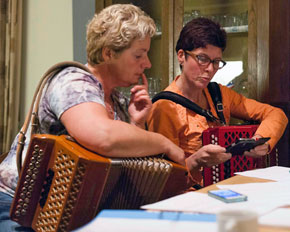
[181, 56]
[107, 54]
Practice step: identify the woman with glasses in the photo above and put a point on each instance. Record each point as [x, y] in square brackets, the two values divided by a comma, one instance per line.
[199, 51]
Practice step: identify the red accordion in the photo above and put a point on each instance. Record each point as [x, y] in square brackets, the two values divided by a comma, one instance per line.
[224, 136]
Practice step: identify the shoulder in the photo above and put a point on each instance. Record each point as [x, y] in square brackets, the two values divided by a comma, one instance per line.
[75, 74]
[166, 108]
[70, 87]
[229, 93]
[73, 80]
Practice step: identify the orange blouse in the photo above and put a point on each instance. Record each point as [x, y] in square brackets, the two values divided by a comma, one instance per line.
[184, 127]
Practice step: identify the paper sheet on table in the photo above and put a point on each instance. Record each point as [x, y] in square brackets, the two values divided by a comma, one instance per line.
[202, 203]
[279, 217]
[271, 193]
[276, 173]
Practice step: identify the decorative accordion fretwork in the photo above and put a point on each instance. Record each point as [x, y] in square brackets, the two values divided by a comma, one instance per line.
[49, 218]
[28, 184]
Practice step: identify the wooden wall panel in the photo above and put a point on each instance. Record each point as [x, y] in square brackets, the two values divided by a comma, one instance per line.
[263, 50]
[167, 42]
[279, 46]
[252, 48]
[278, 93]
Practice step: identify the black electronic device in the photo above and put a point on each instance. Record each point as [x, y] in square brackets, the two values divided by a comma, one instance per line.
[244, 144]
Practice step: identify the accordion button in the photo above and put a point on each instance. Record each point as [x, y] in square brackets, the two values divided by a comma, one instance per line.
[24, 189]
[23, 212]
[35, 153]
[17, 213]
[29, 172]
[20, 201]
[33, 159]
[28, 194]
[31, 166]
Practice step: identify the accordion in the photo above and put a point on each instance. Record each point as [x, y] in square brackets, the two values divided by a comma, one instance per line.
[62, 185]
[224, 136]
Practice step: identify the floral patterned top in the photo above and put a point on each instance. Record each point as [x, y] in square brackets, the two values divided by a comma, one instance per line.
[70, 87]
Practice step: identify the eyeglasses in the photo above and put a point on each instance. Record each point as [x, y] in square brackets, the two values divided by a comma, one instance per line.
[204, 60]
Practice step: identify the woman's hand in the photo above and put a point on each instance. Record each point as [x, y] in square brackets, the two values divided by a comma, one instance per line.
[207, 156]
[140, 103]
[258, 151]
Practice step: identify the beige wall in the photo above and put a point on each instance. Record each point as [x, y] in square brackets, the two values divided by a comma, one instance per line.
[47, 39]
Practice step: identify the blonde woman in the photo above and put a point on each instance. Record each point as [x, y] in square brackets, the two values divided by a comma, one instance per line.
[88, 107]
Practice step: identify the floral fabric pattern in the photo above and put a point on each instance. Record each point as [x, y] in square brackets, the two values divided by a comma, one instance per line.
[70, 87]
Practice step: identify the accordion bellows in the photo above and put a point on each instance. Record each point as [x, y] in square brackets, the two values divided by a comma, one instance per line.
[62, 185]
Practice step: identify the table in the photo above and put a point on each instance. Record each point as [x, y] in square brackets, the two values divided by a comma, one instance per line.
[242, 180]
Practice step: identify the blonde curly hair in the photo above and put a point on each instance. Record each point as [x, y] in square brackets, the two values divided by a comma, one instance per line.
[116, 27]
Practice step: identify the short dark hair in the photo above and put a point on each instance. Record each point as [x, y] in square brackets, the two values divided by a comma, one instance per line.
[200, 32]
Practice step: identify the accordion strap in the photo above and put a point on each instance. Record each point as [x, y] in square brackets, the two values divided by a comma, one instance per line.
[32, 115]
[185, 102]
[216, 97]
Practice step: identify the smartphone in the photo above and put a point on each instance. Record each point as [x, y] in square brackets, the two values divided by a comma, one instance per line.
[244, 144]
[227, 195]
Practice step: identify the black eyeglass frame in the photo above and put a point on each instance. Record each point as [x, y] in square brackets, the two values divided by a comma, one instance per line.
[197, 58]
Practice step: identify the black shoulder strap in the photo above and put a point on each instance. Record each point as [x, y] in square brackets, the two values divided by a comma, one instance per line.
[168, 95]
[216, 97]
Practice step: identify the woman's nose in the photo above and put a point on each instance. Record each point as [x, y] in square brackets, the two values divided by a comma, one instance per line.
[210, 67]
[147, 63]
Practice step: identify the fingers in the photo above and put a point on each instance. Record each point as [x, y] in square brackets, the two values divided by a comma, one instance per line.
[258, 151]
[144, 81]
[139, 93]
[139, 90]
[140, 103]
[220, 158]
[208, 156]
[211, 148]
[143, 86]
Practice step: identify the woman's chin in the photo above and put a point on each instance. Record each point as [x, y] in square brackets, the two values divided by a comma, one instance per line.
[201, 85]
